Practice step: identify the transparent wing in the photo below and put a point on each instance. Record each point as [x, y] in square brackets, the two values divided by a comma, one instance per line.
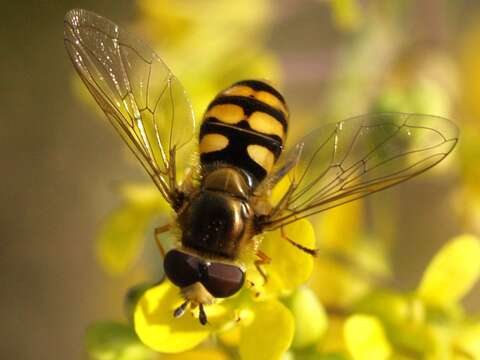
[345, 161]
[141, 97]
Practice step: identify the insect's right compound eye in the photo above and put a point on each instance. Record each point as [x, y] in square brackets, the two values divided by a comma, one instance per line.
[182, 269]
[223, 280]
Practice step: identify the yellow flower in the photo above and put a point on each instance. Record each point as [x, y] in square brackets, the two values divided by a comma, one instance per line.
[255, 313]
[429, 323]
[452, 272]
[467, 340]
[366, 339]
[311, 320]
[348, 259]
[289, 267]
[122, 235]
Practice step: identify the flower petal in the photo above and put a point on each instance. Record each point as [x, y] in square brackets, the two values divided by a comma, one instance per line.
[270, 334]
[289, 267]
[452, 272]
[157, 328]
[310, 318]
[336, 285]
[365, 338]
[145, 195]
[392, 308]
[230, 337]
[341, 227]
[468, 340]
[122, 235]
[121, 238]
[333, 342]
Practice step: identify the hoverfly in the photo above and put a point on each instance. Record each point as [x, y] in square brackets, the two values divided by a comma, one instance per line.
[223, 203]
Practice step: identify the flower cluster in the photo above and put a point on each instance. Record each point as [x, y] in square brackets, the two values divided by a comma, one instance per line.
[263, 322]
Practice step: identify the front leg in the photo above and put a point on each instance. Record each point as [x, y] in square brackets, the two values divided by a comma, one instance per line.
[158, 231]
[309, 251]
[263, 259]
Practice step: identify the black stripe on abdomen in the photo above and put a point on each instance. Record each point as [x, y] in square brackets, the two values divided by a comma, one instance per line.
[241, 149]
[258, 85]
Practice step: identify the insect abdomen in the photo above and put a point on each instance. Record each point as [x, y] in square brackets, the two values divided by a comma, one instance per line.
[245, 126]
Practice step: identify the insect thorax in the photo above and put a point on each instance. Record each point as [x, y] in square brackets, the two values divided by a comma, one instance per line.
[245, 126]
[218, 219]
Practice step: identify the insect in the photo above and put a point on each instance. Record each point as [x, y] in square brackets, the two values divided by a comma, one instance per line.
[224, 202]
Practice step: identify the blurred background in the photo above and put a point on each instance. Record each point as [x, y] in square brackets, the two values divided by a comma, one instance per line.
[62, 163]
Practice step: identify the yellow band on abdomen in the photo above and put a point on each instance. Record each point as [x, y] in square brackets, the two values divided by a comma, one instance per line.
[262, 156]
[213, 142]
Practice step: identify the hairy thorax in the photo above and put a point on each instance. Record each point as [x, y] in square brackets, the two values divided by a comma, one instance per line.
[218, 219]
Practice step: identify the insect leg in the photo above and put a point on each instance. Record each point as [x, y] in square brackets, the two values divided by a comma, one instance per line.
[158, 231]
[187, 186]
[172, 168]
[181, 309]
[309, 251]
[263, 259]
[202, 316]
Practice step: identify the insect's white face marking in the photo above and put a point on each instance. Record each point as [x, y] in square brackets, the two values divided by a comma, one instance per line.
[197, 294]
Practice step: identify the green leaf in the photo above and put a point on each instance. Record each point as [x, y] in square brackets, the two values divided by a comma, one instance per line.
[452, 272]
[198, 354]
[115, 341]
[270, 333]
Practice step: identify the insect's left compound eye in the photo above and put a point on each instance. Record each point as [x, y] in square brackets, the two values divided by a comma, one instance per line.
[223, 280]
[182, 269]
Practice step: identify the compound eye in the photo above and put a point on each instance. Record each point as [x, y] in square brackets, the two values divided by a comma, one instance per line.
[182, 269]
[223, 280]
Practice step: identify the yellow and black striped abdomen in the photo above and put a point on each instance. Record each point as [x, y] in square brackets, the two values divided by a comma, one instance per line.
[245, 126]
